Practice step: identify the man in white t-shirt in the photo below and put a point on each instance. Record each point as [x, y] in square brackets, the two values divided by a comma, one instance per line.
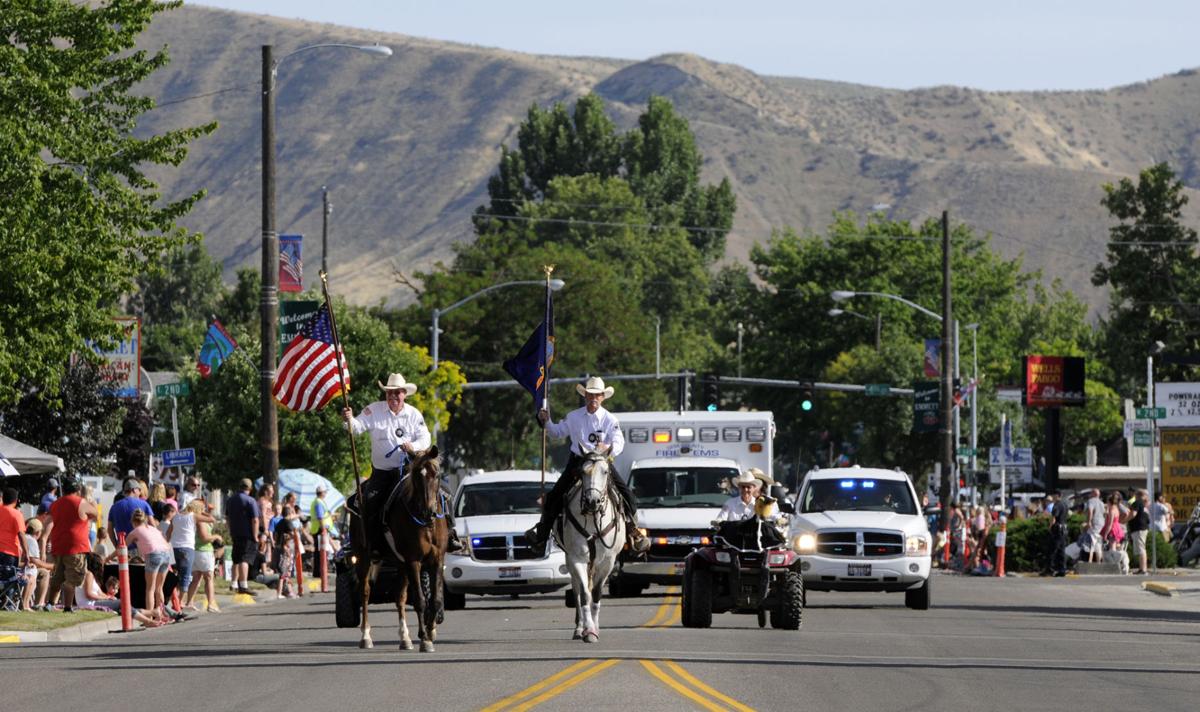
[741, 505]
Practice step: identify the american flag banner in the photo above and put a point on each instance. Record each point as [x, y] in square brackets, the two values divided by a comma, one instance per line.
[307, 377]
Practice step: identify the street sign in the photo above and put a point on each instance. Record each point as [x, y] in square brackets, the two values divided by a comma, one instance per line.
[1142, 438]
[878, 389]
[966, 451]
[172, 389]
[1018, 465]
[179, 458]
[1152, 413]
[1135, 424]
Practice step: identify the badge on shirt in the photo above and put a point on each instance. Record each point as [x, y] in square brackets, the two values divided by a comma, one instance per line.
[594, 438]
[399, 432]
[366, 411]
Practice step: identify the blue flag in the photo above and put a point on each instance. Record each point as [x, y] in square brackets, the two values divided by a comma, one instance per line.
[217, 345]
[531, 366]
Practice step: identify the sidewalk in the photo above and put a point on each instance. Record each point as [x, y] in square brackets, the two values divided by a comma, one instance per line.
[92, 630]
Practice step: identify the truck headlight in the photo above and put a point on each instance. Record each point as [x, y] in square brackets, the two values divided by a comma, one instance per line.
[804, 543]
[917, 545]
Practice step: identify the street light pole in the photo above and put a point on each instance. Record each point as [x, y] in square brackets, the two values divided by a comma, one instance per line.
[326, 209]
[269, 294]
[555, 285]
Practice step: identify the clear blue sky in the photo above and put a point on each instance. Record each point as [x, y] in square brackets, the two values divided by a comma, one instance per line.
[1012, 44]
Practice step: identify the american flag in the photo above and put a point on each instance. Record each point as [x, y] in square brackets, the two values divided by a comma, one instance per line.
[307, 376]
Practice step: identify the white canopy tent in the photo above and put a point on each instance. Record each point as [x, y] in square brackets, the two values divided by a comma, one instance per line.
[27, 460]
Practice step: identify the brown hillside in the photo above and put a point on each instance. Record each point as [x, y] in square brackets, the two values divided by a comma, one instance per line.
[405, 144]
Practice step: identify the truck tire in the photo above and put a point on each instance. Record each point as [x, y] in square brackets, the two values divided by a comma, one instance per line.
[346, 603]
[453, 601]
[685, 611]
[789, 613]
[699, 599]
[918, 598]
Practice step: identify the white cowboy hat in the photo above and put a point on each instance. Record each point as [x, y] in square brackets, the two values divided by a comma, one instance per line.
[595, 384]
[396, 382]
[761, 476]
[746, 478]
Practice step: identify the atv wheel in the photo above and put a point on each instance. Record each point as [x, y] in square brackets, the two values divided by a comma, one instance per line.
[788, 614]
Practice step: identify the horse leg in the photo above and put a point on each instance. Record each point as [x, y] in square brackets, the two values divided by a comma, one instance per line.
[435, 605]
[367, 576]
[583, 600]
[401, 606]
[420, 605]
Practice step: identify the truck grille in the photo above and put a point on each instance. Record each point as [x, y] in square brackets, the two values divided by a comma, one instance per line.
[857, 543]
[509, 547]
[675, 544]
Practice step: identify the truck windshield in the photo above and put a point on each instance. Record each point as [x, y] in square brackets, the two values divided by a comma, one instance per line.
[681, 486]
[499, 498]
[857, 494]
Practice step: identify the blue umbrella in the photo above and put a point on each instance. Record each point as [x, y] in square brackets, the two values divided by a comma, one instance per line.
[303, 483]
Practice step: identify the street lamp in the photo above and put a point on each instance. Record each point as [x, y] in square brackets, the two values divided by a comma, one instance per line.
[269, 299]
[555, 285]
[878, 322]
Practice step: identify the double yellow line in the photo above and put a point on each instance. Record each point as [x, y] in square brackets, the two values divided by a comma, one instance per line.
[552, 686]
[687, 685]
[669, 613]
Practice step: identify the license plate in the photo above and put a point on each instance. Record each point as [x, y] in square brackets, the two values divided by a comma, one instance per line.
[858, 569]
[510, 572]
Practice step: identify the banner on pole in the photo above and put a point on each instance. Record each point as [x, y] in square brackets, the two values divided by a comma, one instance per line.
[1053, 381]
[291, 267]
[933, 358]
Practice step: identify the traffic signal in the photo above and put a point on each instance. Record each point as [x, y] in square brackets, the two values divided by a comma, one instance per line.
[685, 391]
[806, 397]
[711, 391]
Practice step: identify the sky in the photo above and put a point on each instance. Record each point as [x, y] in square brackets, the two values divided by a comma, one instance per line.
[901, 44]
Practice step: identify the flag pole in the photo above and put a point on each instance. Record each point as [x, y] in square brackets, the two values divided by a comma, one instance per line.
[337, 354]
[546, 378]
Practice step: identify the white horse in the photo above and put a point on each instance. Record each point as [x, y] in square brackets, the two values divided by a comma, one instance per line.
[592, 535]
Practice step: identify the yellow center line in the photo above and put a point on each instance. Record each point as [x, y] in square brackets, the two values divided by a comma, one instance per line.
[565, 685]
[539, 685]
[664, 611]
[689, 678]
[680, 688]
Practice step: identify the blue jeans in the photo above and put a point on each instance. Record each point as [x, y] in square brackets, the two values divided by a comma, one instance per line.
[183, 567]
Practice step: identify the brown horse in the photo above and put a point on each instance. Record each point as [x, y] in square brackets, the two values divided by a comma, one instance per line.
[416, 520]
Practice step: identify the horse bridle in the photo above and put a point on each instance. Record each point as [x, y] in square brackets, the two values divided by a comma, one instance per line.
[595, 514]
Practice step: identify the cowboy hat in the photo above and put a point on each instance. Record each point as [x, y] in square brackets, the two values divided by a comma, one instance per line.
[595, 384]
[746, 478]
[396, 382]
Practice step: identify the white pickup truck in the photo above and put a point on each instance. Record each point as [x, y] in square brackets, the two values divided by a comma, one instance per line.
[862, 529]
[679, 466]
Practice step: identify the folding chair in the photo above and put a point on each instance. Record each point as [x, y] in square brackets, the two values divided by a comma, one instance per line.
[12, 583]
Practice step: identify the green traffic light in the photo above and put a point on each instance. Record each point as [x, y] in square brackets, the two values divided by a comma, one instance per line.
[806, 404]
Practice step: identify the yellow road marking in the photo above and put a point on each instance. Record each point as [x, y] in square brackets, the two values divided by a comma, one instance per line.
[689, 678]
[669, 608]
[10, 639]
[539, 686]
[679, 687]
[564, 686]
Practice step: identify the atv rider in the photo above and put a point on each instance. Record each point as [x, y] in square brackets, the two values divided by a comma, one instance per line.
[591, 429]
[397, 432]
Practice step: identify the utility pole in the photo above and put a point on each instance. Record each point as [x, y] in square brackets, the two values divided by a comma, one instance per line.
[269, 296]
[947, 400]
[326, 209]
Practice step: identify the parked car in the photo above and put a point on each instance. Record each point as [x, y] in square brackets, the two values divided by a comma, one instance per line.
[493, 510]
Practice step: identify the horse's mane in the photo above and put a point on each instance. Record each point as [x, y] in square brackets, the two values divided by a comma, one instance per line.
[416, 470]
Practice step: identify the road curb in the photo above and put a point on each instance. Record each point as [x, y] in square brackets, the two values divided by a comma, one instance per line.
[1162, 589]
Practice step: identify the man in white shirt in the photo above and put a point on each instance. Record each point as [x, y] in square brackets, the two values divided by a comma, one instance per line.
[397, 432]
[741, 506]
[590, 428]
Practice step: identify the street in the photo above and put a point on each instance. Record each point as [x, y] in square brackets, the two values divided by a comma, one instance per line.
[1096, 642]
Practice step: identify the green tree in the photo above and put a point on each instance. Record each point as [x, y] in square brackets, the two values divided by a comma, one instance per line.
[80, 218]
[1153, 270]
[175, 300]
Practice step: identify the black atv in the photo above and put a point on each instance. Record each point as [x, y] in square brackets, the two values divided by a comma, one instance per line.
[749, 569]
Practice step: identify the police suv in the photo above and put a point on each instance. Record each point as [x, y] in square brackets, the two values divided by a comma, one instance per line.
[862, 529]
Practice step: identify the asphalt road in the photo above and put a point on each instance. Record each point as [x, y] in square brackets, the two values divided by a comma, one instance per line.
[1089, 643]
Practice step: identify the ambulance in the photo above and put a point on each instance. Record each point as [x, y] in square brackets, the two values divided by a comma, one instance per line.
[679, 466]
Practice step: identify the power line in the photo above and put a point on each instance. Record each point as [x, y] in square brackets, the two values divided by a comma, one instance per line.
[199, 96]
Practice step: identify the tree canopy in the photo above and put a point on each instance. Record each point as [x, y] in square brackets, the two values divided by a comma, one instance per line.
[80, 219]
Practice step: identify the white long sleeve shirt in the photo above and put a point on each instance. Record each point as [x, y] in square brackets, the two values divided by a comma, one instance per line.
[735, 510]
[391, 430]
[587, 430]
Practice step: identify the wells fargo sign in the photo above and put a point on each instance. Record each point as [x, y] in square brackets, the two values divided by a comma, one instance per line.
[1053, 381]
[1181, 468]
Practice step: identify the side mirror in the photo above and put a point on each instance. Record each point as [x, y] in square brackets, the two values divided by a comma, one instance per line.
[787, 507]
[777, 491]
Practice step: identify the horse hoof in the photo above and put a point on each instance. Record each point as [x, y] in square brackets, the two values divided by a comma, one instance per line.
[426, 646]
[406, 645]
[590, 637]
[366, 643]
[578, 636]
